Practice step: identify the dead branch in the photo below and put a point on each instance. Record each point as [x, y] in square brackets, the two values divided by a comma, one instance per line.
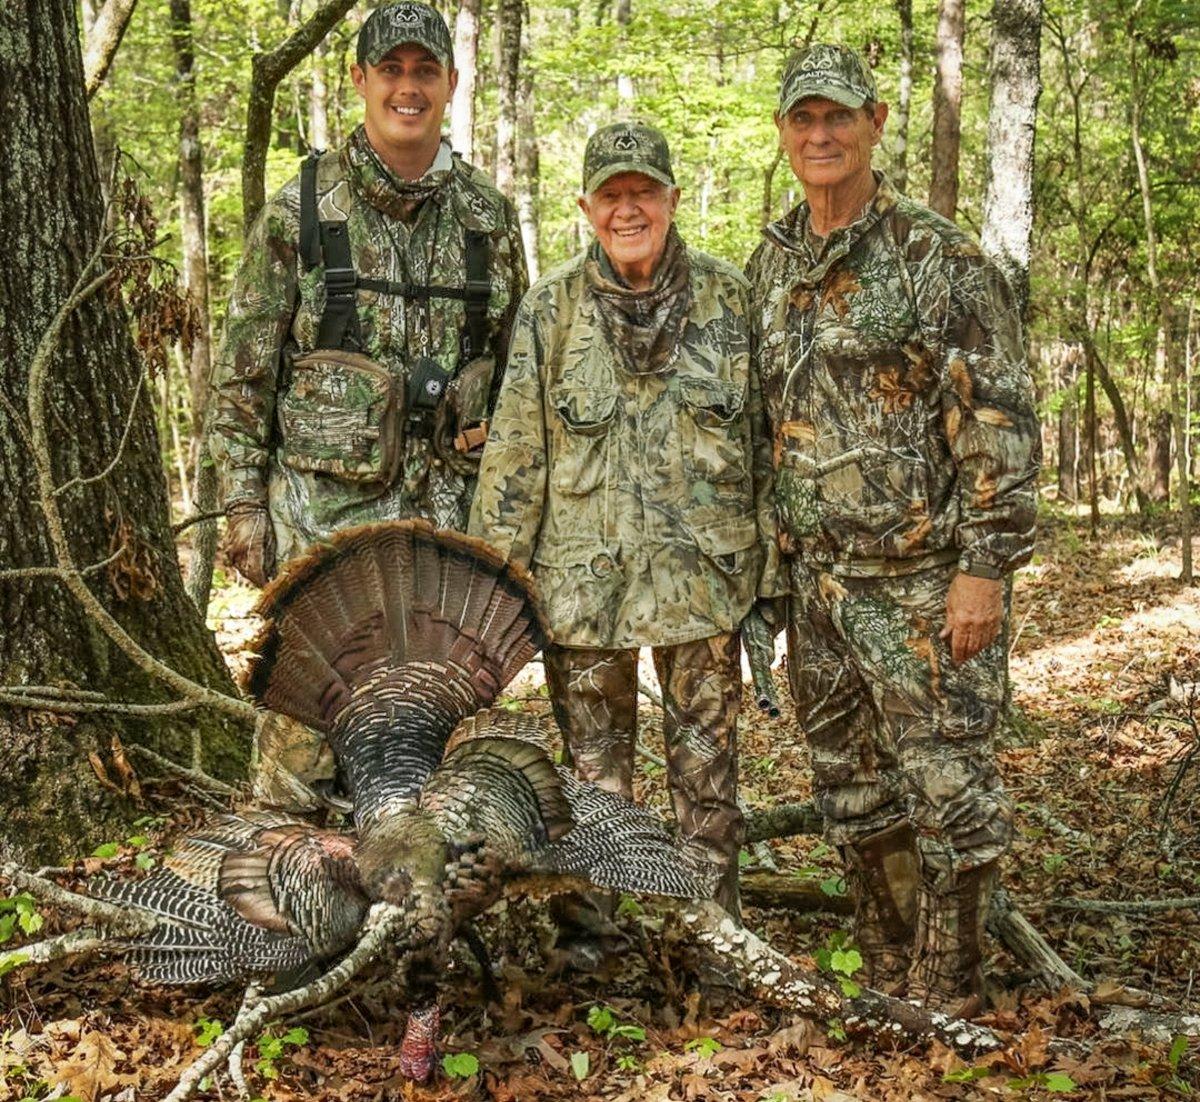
[1125, 906]
[384, 924]
[103, 40]
[115, 919]
[267, 70]
[112, 465]
[85, 287]
[784, 892]
[76, 943]
[57, 571]
[195, 776]
[1018, 935]
[53, 704]
[1151, 1026]
[196, 518]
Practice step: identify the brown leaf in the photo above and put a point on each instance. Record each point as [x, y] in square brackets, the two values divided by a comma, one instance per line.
[91, 1068]
[125, 771]
[102, 776]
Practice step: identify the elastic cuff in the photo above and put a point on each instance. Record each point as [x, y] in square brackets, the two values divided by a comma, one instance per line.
[979, 567]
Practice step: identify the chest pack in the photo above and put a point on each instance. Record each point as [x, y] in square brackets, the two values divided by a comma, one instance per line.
[326, 241]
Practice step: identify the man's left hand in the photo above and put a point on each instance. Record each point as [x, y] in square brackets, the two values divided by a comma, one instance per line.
[974, 613]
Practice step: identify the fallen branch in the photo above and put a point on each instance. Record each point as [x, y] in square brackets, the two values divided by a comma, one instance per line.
[1125, 906]
[196, 776]
[1151, 1026]
[1018, 935]
[115, 707]
[116, 919]
[790, 893]
[76, 943]
[384, 924]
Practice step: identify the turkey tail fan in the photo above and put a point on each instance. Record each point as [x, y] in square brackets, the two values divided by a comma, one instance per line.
[383, 596]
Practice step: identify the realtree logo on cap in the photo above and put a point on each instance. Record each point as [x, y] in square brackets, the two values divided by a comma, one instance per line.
[626, 143]
[626, 147]
[408, 16]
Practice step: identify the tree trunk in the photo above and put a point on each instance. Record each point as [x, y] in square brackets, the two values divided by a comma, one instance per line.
[103, 39]
[1173, 361]
[1124, 430]
[1068, 449]
[528, 166]
[318, 100]
[625, 94]
[52, 803]
[903, 96]
[1015, 84]
[1158, 456]
[466, 55]
[947, 108]
[509, 18]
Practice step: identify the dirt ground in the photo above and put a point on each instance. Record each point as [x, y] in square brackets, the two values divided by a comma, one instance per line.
[1100, 755]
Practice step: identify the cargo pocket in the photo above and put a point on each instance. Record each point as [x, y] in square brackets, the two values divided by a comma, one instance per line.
[730, 544]
[582, 584]
[584, 416]
[340, 416]
[713, 446]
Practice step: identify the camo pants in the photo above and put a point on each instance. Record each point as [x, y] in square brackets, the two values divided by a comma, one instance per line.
[896, 729]
[594, 694]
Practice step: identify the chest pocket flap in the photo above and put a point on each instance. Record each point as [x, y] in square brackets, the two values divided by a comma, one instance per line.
[712, 434]
[583, 418]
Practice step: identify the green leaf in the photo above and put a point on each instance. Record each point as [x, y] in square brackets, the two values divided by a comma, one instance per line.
[849, 988]
[137, 841]
[845, 961]
[145, 861]
[108, 849]
[965, 1075]
[8, 926]
[1178, 1047]
[745, 857]
[836, 1030]
[30, 923]
[24, 904]
[10, 961]
[601, 1019]
[833, 885]
[581, 1064]
[628, 1063]
[460, 1065]
[267, 1069]
[628, 1032]
[297, 1035]
[629, 906]
[706, 1046]
[1058, 1082]
[207, 1031]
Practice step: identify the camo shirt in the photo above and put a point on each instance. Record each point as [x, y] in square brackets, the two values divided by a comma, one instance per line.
[641, 499]
[265, 435]
[895, 381]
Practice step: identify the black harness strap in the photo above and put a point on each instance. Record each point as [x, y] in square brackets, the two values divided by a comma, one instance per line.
[477, 292]
[310, 236]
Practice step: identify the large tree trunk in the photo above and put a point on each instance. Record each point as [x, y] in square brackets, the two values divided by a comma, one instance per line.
[107, 28]
[1015, 85]
[51, 801]
[625, 93]
[466, 55]
[947, 108]
[318, 99]
[903, 95]
[1158, 456]
[508, 64]
[528, 165]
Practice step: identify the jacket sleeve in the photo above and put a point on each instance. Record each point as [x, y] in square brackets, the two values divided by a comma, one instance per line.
[989, 416]
[261, 306]
[507, 510]
[771, 582]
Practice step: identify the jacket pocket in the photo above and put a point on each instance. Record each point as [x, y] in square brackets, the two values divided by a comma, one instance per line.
[341, 416]
[731, 544]
[583, 418]
[582, 584]
[714, 448]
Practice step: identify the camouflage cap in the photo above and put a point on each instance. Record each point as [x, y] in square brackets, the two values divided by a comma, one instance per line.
[626, 147]
[396, 24]
[832, 72]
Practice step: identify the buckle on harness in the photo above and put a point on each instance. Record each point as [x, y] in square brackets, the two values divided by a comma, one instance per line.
[478, 288]
[340, 282]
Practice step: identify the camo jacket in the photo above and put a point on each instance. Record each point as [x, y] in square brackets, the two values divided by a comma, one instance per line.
[640, 500]
[304, 444]
[901, 409]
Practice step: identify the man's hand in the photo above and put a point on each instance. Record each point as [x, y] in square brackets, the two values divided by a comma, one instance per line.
[974, 613]
[250, 541]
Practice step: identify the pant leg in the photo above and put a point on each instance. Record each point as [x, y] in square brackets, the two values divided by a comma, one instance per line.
[289, 759]
[856, 780]
[702, 694]
[942, 716]
[594, 697]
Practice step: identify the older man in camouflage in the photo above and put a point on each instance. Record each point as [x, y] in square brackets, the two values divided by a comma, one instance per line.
[627, 466]
[906, 448]
[369, 320]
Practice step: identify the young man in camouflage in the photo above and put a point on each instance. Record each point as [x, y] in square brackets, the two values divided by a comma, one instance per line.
[906, 446]
[369, 321]
[627, 466]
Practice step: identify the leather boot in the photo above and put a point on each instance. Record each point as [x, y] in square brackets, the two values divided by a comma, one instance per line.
[885, 874]
[947, 971]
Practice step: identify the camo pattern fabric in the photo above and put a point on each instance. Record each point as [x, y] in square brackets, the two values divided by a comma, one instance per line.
[301, 445]
[594, 694]
[901, 409]
[641, 500]
[895, 728]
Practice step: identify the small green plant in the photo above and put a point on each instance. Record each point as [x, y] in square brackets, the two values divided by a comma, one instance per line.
[106, 850]
[19, 913]
[1173, 1081]
[1054, 863]
[629, 906]
[271, 1050]
[841, 959]
[603, 1021]
[207, 1031]
[833, 885]
[460, 1065]
[628, 1062]
[706, 1046]
[581, 1065]
[1053, 1082]
[835, 1029]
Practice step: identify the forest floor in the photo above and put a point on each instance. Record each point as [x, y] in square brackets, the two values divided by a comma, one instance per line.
[1101, 758]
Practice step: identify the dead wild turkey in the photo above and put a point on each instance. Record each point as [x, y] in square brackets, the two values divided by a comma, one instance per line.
[386, 638]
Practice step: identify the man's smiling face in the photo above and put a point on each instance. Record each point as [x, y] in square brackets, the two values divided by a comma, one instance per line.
[828, 144]
[405, 96]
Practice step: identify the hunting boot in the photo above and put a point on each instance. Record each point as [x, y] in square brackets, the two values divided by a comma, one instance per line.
[947, 971]
[884, 873]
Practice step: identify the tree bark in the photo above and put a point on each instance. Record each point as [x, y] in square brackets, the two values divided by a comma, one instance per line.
[103, 40]
[318, 100]
[267, 70]
[466, 55]
[625, 93]
[509, 18]
[51, 800]
[528, 165]
[1158, 456]
[1014, 74]
[903, 95]
[947, 108]
[1174, 362]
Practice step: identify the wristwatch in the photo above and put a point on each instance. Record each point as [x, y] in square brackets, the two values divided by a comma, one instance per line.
[977, 569]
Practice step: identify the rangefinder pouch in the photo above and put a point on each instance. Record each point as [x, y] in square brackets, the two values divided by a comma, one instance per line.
[461, 425]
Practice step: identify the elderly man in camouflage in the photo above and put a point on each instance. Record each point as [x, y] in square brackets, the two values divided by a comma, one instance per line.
[628, 466]
[906, 448]
[369, 320]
